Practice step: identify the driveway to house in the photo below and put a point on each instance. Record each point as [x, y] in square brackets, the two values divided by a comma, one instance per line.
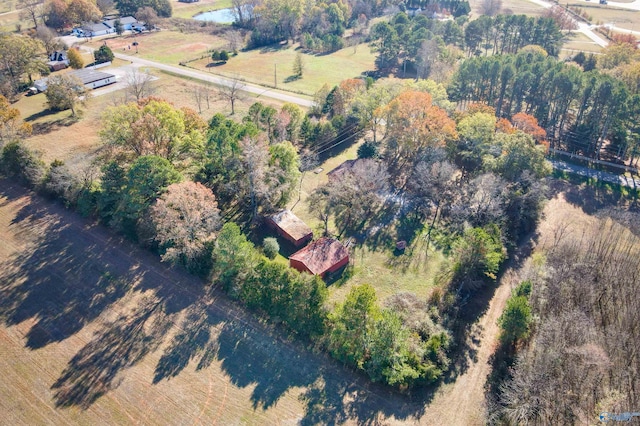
[260, 91]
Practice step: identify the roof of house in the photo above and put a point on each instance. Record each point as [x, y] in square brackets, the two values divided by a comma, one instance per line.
[89, 76]
[95, 27]
[346, 166]
[123, 21]
[321, 255]
[291, 224]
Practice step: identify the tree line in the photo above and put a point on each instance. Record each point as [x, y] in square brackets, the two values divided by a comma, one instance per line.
[579, 110]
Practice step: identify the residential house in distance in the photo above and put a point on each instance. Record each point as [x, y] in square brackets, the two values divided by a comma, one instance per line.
[58, 61]
[128, 23]
[290, 227]
[108, 26]
[321, 257]
[95, 29]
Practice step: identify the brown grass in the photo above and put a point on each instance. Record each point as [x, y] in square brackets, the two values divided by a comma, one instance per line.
[76, 141]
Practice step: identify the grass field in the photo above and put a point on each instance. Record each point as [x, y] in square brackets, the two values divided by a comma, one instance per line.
[76, 141]
[269, 65]
[577, 42]
[517, 7]
[601, 15]
[168, 47]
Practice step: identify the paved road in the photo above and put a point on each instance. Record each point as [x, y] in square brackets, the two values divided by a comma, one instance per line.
[583, 28]
[260, 91]
[596, 174]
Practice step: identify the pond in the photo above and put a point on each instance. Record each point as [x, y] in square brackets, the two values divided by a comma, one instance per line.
[221, 16]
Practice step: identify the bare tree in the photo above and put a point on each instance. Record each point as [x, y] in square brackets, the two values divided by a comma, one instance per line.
[200, 94]
[235, 39]
[491, 7]
[49, 38]
[105, 6]
[232, 91]
[139, 84]
[31, 9]
[561, 18]
[149, 16]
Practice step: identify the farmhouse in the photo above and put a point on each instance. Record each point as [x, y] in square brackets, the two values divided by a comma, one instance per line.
[290, 227]
[346, 167]
[127, 22]
[96, 29]
[321, 257]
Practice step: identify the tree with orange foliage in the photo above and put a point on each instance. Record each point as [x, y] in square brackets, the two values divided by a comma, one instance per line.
[346, 93]
[414, 124]
[504, 126]
[12, 127]
[528, 124]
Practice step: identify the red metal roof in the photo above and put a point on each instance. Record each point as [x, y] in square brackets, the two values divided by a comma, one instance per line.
[321, 255]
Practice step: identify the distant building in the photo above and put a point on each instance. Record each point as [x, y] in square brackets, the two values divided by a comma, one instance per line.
[108, 26]
[93, 79]
[58, 60]
[321, 257]
[188, 1]
[127, 22]
[92, 29]
[90, 78]
[290, 227]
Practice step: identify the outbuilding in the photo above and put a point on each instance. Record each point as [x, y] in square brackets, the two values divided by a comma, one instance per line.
[321, 257]
[93, 79]
[290, 227]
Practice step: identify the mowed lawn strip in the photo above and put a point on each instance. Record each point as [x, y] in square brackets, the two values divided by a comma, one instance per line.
[273, 65]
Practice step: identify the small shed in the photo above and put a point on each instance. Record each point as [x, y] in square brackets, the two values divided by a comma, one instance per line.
[290, 227]
[342, 169]
[321, 257]
[93, 79]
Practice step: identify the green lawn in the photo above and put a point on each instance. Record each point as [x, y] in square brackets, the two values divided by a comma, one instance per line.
[577, 42]
[269, 65]
[388, 273]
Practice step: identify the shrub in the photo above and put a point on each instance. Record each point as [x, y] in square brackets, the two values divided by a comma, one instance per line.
[270, 247]
[20, 162]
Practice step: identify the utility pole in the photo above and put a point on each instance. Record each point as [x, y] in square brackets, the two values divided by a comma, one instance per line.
[275, 75]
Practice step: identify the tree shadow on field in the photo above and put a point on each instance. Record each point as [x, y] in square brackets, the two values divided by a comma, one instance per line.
[61, 281]
[70, 273]
[253, 356]
[118, 345]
